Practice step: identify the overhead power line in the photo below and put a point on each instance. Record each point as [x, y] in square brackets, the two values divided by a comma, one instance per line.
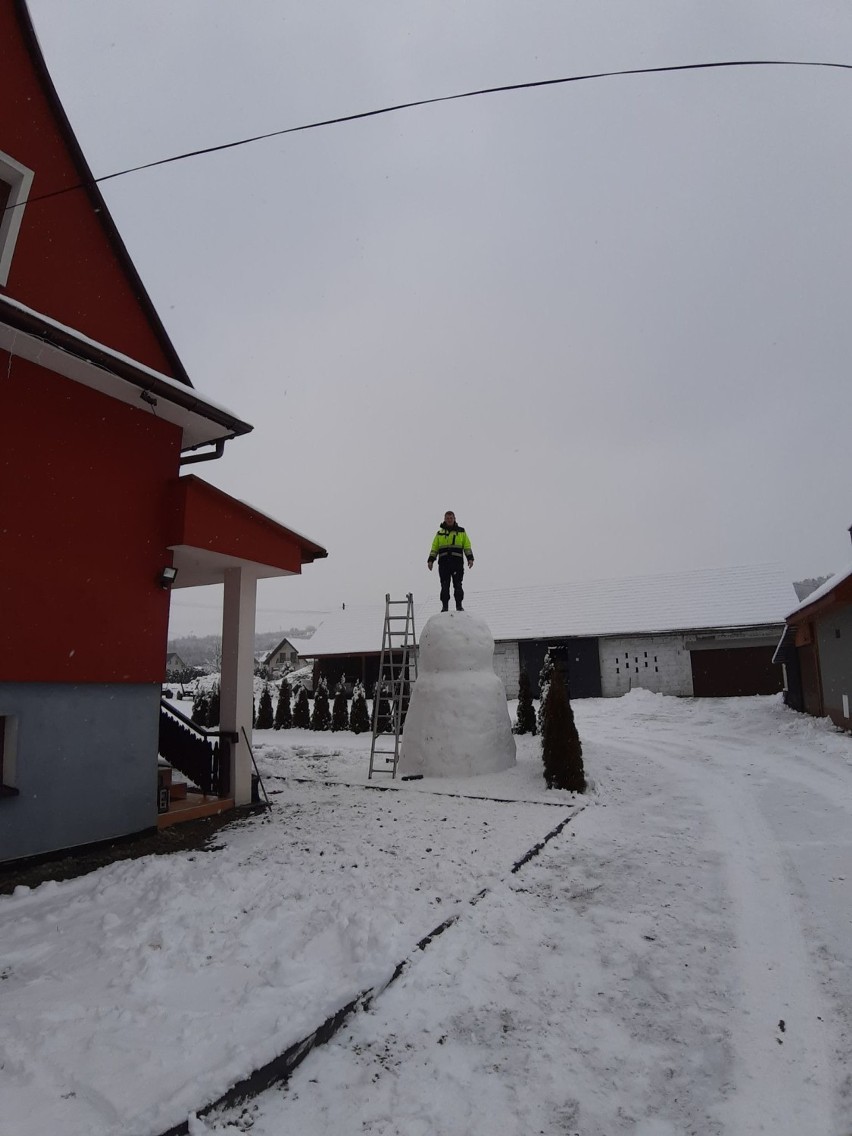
[446, 99]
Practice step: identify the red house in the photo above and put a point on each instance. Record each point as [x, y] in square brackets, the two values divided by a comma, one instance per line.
[98, 419]
[815, 652]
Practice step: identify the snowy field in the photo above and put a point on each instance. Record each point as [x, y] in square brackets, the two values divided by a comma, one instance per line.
[678, 960]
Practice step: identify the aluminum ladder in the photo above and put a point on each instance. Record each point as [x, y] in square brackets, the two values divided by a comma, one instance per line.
[397, 671]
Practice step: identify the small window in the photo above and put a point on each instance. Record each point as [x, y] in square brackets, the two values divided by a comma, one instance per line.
[8, 733]
[15, 183]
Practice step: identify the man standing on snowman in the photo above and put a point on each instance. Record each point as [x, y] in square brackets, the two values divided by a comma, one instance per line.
[450, 548]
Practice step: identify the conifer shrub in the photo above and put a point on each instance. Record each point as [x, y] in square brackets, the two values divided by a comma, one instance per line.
[321, 713]
[283, 712]
[265, 717]
[213, 707]
[561, 749]
[302, 710]
[384, 721]
[340, 709]
[359, 715]
[525, 722]
[200, 714]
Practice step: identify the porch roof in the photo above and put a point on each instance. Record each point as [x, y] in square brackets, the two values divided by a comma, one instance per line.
[210, 531]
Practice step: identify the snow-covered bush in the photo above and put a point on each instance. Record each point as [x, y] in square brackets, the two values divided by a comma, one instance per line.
[321, 713]
[340, 709]
[384, 719]
[264, 711]
[302, 710]
[213, 707]
[283, 713]
[200, 709]
[359, 715]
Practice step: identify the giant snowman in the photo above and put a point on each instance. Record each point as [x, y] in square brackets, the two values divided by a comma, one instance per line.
[458, 721]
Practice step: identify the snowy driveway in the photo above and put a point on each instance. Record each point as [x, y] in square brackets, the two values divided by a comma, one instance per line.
[678, 960]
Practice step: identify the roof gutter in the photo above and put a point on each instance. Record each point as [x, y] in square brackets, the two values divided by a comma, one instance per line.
[151, 386]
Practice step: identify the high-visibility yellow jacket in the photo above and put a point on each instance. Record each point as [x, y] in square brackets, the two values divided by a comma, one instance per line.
[451, 542]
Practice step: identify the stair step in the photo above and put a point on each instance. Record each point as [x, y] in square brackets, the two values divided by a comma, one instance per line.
[177, 791]
[206, 806]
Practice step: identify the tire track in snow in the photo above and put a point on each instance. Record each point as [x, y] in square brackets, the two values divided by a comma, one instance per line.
[784, 1074]
[277, 1072]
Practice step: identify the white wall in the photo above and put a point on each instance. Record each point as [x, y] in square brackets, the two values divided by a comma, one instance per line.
[507, 667]
[654, 662]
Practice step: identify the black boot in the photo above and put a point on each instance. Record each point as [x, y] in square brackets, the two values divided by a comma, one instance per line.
[459, 607]
[446, 607]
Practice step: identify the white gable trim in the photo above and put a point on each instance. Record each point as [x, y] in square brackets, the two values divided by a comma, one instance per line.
[20, 178]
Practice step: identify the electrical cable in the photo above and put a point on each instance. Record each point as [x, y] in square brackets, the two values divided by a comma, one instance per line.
[442, 99]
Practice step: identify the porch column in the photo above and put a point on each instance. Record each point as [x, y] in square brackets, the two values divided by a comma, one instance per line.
[238, 619]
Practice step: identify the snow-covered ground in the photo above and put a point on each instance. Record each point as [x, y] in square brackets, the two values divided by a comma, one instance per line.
[677, 960]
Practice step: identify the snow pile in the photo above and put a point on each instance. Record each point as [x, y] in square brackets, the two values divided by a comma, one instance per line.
[458, 721]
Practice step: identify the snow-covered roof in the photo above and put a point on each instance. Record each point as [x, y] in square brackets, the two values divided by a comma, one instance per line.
[278, 647]
[823, 590]
[706, 598]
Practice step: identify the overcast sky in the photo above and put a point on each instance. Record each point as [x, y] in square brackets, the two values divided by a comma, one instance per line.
[608, 323]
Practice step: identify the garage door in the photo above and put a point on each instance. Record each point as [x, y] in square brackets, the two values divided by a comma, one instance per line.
[735, 670]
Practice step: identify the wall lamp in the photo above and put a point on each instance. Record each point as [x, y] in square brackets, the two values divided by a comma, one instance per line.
[167, 577]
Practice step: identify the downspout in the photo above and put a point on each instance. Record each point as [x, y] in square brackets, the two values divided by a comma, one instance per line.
[208, 455]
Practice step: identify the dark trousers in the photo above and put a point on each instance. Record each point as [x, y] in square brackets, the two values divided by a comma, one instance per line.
[451, 568]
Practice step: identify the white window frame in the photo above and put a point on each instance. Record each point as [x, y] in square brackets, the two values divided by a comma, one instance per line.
[9, 741]
[20, 178]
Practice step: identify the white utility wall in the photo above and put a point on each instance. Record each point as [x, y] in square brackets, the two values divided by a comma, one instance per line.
[507, 667]
[653, 662]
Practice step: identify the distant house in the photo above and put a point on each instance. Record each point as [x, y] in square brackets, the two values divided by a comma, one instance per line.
[815, 652]
[281, 658]
[705, 633]
[176, 668]
[99, 417]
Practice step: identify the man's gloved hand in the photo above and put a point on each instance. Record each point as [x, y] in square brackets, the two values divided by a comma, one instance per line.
[429, 564]
[470, 563]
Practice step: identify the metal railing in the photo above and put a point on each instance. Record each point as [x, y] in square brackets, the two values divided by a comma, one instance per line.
[192, 750]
